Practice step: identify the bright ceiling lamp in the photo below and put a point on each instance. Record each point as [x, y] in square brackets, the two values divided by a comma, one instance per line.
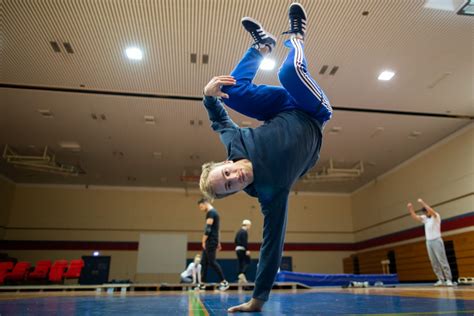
[386, 75]
[267, 64]
[467, 8]
[134, 53]
[445, 5]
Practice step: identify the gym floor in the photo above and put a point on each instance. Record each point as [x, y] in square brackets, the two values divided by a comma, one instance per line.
[319, 301]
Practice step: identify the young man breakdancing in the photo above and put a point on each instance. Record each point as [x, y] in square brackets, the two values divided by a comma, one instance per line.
[266, 161]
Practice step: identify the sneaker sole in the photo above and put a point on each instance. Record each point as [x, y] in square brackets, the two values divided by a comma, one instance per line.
[296, 4]
[246, 18]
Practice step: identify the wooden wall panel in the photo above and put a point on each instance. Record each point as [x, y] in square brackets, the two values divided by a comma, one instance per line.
[412, 261]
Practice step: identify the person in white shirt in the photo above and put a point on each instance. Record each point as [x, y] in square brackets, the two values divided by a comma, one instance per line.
[192, 272]
[434, 242]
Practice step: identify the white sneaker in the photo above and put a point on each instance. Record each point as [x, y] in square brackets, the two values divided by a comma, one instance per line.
[439, 283]
[223, 286]
[449, 283]
[242, 279]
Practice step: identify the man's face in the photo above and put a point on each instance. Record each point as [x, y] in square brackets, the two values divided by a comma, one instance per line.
[202, 207]
[230, 177]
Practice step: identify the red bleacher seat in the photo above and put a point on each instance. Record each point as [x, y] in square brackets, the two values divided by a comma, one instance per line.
[74, 270]
[19, 272]
[5, 267]
[41, 270]
[56, 273]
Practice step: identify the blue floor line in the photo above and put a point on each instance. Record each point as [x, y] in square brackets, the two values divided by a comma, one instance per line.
[306, 303]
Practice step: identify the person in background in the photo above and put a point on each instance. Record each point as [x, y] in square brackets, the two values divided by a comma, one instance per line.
[241, 249]
[434, 242]
[192, 272]
[211, 244]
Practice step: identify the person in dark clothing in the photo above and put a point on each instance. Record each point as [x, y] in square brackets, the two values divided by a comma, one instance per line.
[210, 244]
[241, 249]
[266, 161]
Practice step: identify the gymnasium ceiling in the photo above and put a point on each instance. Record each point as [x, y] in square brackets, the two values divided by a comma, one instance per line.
[430, 50]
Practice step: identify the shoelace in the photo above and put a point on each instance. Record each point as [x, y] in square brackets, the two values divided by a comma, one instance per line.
[296, 25]
[257, 35]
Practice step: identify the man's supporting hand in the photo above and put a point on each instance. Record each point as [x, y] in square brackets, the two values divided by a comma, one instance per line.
[253, 305]
[213, 87]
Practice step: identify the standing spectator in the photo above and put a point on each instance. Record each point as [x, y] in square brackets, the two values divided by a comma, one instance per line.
[241, 249]
[210, 244]
[434, 242]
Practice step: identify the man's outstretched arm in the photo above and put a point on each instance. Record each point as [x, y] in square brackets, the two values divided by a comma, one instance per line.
[221, 122]
[428, 208]
[412, 213]
[274, 226]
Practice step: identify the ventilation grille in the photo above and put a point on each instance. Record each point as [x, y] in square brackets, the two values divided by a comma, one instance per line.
[68, 48]
[325, 68]
[57, 49]
[55, 46]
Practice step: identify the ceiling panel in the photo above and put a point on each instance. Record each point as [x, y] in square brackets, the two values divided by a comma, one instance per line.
[431, 52]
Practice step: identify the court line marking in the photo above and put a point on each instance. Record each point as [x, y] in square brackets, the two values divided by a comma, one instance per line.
[419, 313]
[196, 307]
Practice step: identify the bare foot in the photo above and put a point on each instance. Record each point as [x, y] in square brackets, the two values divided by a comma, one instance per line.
[253, 305]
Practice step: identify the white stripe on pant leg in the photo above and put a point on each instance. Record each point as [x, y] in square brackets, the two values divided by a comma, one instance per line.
[306, 78]
[301, 74]
[296, 63]
[310, 80]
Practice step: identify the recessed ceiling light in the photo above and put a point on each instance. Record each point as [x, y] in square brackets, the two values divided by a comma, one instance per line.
[70, 145]
[467, 8]
[414, 134]
[46, 113]
[267, 64]
[378, 131]
[386, 75]
[149, 119]
[445, 5]
[134, 53]
[335, 130]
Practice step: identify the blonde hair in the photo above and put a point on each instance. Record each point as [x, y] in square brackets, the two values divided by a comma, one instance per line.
[205, 185]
